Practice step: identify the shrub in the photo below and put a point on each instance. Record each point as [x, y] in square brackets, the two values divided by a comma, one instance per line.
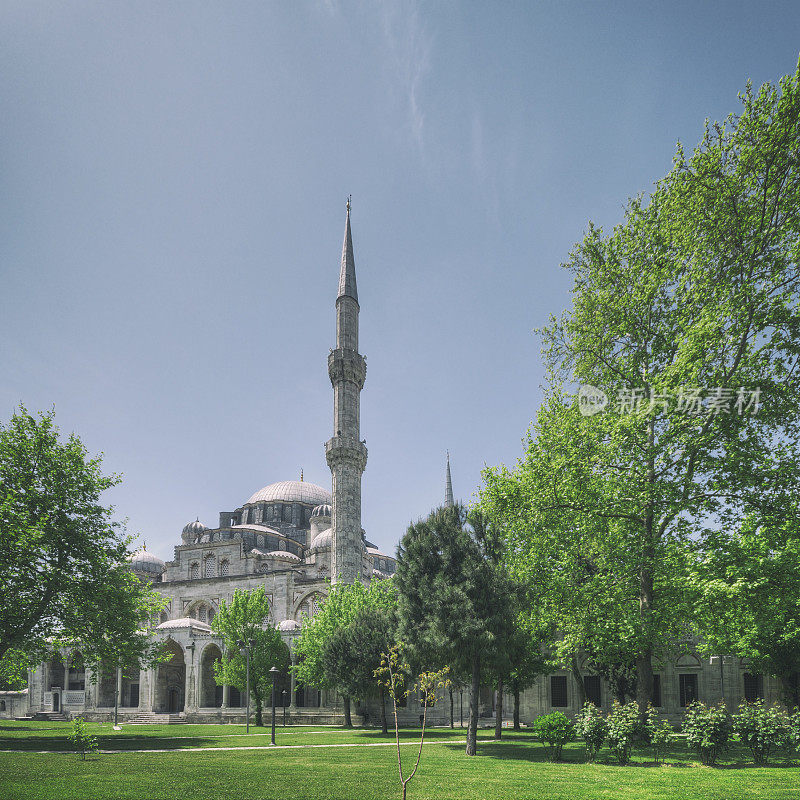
[762, 729]
[80, 738]
[707, 730]
[659, 736]
[624, 726]
[555, 730]
[592, 728]
[794, 727]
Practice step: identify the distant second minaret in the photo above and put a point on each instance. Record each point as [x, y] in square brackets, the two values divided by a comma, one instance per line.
[448, 486]
[345, 452]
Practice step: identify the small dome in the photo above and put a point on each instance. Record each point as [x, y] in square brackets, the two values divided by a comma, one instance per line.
[193, 530]
[288, 625]
[184, 622]
[282, 555]
[322, 541]
[146, 563]
[323, 510]
[291, 492]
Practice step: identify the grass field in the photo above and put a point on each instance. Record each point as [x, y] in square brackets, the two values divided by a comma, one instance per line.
[321, 763]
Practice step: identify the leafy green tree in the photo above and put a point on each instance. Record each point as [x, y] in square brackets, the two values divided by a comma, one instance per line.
[13, 671]
[342, 605]
[749, 597]
[80, 738]
[247, 619]
[354, 651]
[63, 558]
[455, 605]
[697, 287]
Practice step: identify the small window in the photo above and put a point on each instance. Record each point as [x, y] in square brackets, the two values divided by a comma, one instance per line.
[753, 687]
[163, 616]
[592, 685]
[210, 615]
[688, 688]
[201, 613]
[194, 571]
[208, 567]
[558, 691]
[2, 705]
[657, 691]
[224, 567]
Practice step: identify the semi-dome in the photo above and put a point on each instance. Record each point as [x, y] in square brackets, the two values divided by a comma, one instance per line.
[282, 555]
[322, 510]
[291, 492]
[193, 530]
[184, 623]
[322, 541]
[288, 625]
[146, 563]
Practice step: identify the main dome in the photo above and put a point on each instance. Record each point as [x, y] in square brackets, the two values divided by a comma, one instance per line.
[291, 492]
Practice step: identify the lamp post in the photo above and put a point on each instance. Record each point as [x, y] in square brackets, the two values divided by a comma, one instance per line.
[284, 707]
[274, 672]
[245, 648]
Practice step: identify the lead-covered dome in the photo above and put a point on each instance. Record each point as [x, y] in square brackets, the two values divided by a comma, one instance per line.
[323, 510]
[192, 531]
[291, 492]
[146, 563]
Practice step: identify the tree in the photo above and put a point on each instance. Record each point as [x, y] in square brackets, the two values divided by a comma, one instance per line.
[81, 739]
[342, 605]
[13, 671]
[63, 558]
[749, 602]
[247, 619]
[455, 606]
[354, 651]
[697, 287]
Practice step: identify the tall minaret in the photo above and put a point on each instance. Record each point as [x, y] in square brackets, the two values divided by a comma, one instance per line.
[345, 452]
[448, 486]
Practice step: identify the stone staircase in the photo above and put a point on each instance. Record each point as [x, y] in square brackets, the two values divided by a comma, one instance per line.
[151, 718]
[49, 716]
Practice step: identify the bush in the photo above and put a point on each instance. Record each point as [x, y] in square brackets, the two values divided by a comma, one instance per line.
[555, 730]
[659, 736]
[763, 729]
[707, 730]
[794, 727]
[80, 738]
[592, 728]
[624, 726]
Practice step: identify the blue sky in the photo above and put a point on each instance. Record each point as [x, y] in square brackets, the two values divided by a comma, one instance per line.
[173, 185]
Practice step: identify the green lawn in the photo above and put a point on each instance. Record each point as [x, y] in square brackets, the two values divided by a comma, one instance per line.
[514, 768]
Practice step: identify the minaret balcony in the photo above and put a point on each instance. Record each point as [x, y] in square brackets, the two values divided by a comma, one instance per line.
[347, 365]
[346, 450]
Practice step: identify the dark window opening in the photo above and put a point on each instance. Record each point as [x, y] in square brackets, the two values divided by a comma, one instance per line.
[558, 691]
[591, 684]
[688, 689]
[657, 691]
[753, 687]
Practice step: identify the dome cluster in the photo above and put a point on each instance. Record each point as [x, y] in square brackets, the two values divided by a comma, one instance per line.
[193, 531]
[146, 564]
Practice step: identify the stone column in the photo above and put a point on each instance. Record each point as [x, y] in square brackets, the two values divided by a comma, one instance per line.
[226, 695]
[119, 686]
[292, 703]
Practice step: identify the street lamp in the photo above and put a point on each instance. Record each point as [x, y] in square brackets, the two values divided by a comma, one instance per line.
[274, 672]
[245, 648]
[284, 707]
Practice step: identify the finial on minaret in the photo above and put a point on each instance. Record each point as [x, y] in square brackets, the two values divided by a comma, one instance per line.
[301, 474]
[349, 199]
[347, 274]
[448, 488]
[144, 544]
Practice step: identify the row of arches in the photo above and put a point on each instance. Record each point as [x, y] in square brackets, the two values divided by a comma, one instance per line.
[209, 568]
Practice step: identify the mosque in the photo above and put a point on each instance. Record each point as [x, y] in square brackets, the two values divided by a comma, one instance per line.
[292, 537]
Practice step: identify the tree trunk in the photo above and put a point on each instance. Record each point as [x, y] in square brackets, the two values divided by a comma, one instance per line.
[474, 689]
[452, 723]
[384, 725]
[498, 721]
[516, 708]
[259, 716]
[580, 688]
[348, 722]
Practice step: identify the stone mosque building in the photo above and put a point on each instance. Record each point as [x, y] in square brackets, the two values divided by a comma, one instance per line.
[291, 537]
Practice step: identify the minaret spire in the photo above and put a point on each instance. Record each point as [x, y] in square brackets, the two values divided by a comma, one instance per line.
[345, 452]
[448, 486]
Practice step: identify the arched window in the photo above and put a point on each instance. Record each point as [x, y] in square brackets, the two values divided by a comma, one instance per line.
[2, 705]
[201, 614]
[194, 571]
[210, 615]
[208, 566]
[224, 567]
[164, 616]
